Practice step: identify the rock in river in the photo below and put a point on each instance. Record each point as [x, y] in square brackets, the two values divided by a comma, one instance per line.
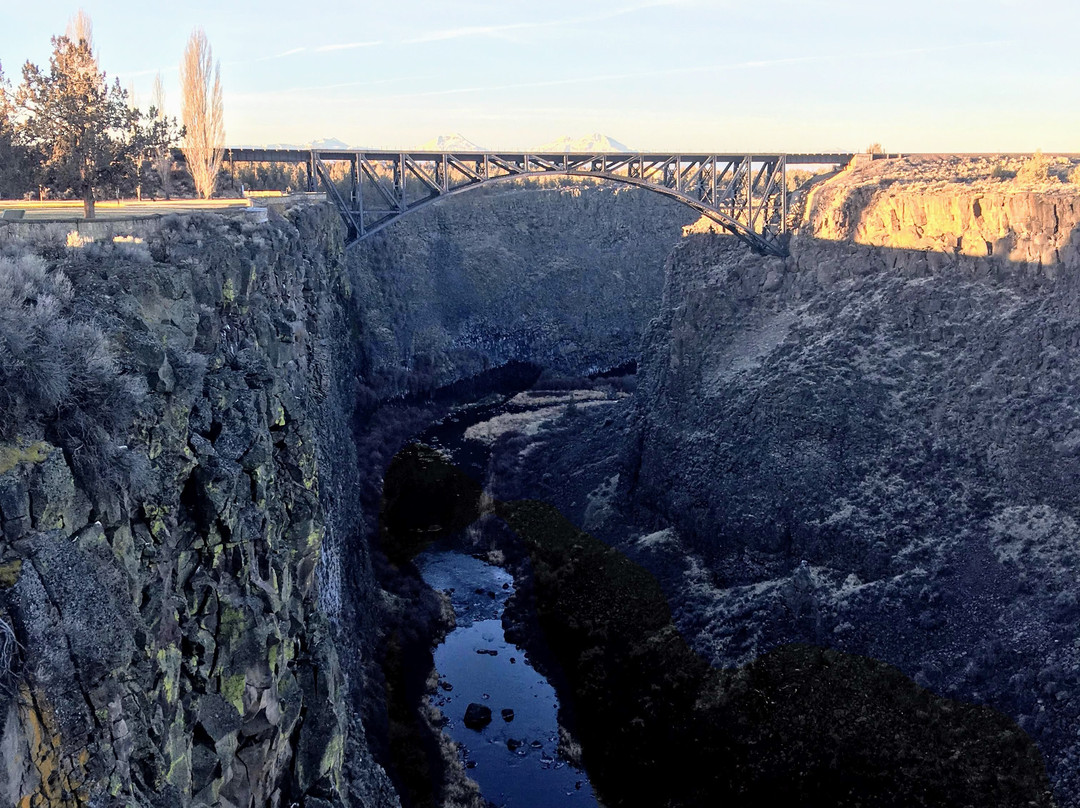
[477, 716]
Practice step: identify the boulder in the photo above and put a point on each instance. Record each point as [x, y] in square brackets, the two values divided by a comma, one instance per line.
[477, 716]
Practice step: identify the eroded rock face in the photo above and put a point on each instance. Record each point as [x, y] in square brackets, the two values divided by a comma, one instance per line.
[874, 447]
[567, 278]
[191, 604]
[172, 648]
[952, 207]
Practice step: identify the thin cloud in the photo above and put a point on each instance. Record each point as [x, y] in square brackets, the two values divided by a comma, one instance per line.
[271, 57]
[681, 71]
[475, 30]
[502, 28]
[296, 51]
[599, 79]
[348, 46]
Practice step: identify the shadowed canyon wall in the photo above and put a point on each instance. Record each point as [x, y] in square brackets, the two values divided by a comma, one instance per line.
[560, 276]
[877, 441]
[189, 611]
[869, 446]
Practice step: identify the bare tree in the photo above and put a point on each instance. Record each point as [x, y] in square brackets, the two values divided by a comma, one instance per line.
[162, 135]
[81, 29]
[202, 113]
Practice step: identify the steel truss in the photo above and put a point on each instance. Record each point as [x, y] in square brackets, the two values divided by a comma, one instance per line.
[745, 194]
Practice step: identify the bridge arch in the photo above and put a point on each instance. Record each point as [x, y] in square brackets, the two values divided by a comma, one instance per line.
[720, 218]
[744, 193]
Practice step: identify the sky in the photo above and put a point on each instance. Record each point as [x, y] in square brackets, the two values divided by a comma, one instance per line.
[686, 75]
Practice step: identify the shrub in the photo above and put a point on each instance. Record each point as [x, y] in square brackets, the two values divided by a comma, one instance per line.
[1035, 169]
[1074, 176]
[49, 241]
[1000, 172]
[56, 371]
[797, 178]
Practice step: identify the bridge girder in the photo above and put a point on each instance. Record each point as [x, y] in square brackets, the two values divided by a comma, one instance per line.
[743, 193]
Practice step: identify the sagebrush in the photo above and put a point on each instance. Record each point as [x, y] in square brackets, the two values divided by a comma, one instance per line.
[58, 375]
[1035, 169]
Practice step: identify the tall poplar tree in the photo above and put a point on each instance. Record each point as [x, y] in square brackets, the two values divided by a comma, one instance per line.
[161, 134]
[202, 113]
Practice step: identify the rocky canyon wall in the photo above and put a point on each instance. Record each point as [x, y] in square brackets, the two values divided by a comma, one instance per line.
[950, 206]
[566, 277]
[188, 609]
[873, 444]
[159, 575]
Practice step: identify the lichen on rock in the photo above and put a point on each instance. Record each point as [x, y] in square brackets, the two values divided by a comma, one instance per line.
[172, 648]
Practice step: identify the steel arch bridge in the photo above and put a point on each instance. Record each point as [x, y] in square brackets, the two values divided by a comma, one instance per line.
[744, 193]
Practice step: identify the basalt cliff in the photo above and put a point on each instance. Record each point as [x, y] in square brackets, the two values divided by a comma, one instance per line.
[870, 447]
[190, 472]
[877, 440]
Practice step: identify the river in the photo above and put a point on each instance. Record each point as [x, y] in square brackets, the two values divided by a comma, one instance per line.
[515, 757]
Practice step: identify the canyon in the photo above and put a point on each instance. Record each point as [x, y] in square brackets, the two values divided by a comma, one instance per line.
[860, 458]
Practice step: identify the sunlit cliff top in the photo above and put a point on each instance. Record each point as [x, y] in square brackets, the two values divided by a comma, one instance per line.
[1001, 173]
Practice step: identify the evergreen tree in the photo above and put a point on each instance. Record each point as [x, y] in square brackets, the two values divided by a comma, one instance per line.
[15, 168]
[81, 125]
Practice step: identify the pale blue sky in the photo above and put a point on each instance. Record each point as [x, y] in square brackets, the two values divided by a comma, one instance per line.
[776, 75]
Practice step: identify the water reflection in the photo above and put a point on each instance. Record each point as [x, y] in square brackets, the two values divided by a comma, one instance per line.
[514, 758]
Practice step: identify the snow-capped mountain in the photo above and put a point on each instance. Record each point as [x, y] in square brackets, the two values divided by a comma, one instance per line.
[454, 142]
[595, 142]
[321, 143]
[329, 143]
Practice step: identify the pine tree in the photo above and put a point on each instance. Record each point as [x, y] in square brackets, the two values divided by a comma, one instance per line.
[81, 125]
[15, 178]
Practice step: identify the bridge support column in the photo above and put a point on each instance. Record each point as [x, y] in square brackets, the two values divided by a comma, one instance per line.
[784, 195]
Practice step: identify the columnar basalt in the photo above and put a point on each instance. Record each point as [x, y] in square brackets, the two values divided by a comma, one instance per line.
[172, 651]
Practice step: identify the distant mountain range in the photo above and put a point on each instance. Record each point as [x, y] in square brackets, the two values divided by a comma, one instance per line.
[321, 143]
[454, 142]
[595, 142]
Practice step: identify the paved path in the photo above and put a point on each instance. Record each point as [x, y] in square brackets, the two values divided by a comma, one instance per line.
[71, 210]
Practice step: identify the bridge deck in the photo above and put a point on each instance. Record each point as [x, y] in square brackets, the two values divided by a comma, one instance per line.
[262, 155]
